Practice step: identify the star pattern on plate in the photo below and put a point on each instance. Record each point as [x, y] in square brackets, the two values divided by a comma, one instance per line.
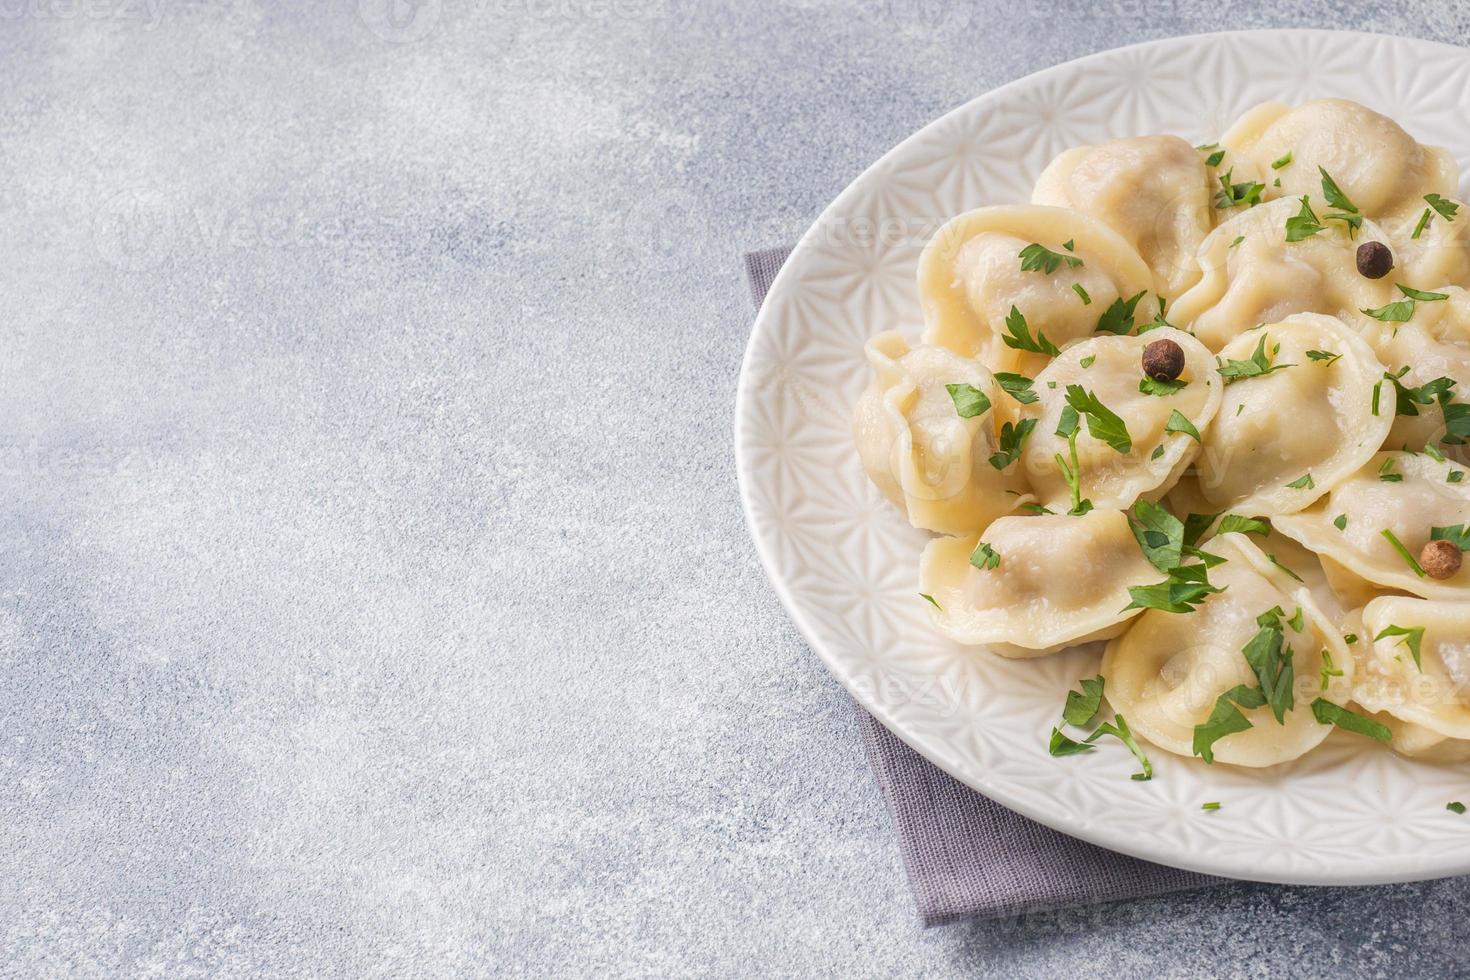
[845, 563]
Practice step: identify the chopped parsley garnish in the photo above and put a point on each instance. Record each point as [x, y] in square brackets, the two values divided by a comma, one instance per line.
[969, 401]
[1186, 587]
[1012, 439]
[1238, 240]
[1088, 361]
[1102, 422]
[1340, 522]
[1277, 562]
[1245, 525]
[1281, 161]
[1159, 533]
[1329, 670]
[1018, 386]
[1455, 807]
[1455, 476]
[1423, 223]
[1349, 721]
[1153, 386]
[1413, 638]
[1083, 707]
[1257, 366]
[1118, 728]
[1213, 160]
[1447, 209]
[931, 600]
[1077, 288]
[1233, 195]
[1225, 719]
[1036, 257]
[1402, 310]
[1195, 526]
[1118, 317]
[1179, 422]
[1434, 454]
[1408, 399]
[1068, 426]
[1403, 552]
[1158, 320]
[1386, 473]
[1270, 657]
[1421, 295]
[1326, 356]
[984, 557]
[1037, 509]
[1303, 224]
[1350, 638]
[1020, 336]
[1211, 806]
[1347, 210]
[1303, 482]
[1158, 451]
[1061, 745]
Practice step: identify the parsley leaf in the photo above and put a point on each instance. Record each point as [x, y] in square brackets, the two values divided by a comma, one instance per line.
[1077, 288]
[1270, 658]
[1018, 386]
[1303, 482]
[1386, 473]
[1413, 637]
[1233, 195]
[1195, 526]
[1186, 587]
[1446, 208]
[1323, 355]
[1303, 224]
[1072, 473]
[1329, 670]
[1349, 721]
[1455, 807]
[984, 557]
[1102, 422]
[1244, 525]
[1083, 707]
[1397, 312]
[1118, 317]
[1423, 223]
[1340, 522]
[1403, 552]
[1225, 719]
[1337, 199]
[969, 401]
[1153, 386]
[1281, 161]
[1179, 422]
[931, 600]
[1012, 438]
[1036, 257]
[1456, 533]
[1118, 728]
[1087, 361]
[1061, 745]
[1020, 336]
[1257, 366]
[1421, 295]
[1159, 533]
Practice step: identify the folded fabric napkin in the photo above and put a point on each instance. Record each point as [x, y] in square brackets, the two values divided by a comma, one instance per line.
[967, 856]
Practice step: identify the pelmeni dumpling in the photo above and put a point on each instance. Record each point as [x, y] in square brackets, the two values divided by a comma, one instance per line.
[1424, 744]
[931, 463]
[970, 278]
[1114, 371]
[1282, 439]
[1433, 344]
[1426, 494]
[1167, 671]
[1251, 274]
[1433, 693]
[1155, 191]
[1380, 168]
[1059, 581]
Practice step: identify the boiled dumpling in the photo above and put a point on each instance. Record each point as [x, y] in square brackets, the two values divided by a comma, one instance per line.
[930, 462]
[1440, 256]
[1155, 191]
[1380, 168]
[971, 278]
[1253, 275]
[1434, 344]
[1404, 494]
[1432, 693]
[1057, 581]
[1112, 374]
[1167, 671]
[1282, 439]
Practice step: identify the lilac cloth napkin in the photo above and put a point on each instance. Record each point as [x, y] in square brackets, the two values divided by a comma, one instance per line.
[967, 856]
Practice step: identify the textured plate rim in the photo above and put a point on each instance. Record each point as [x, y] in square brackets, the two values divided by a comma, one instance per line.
[1114, 838]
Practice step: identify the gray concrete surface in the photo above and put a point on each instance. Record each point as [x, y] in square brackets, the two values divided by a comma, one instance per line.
[375, 598]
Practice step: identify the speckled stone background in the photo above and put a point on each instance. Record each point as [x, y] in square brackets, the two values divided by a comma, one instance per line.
[375, 598]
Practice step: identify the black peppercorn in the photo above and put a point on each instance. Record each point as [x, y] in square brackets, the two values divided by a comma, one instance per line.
[1374, 260]
[1163, 360]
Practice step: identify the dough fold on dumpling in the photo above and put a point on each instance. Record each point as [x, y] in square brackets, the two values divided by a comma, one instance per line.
[1113, 374]
[1168, 670]
[1060, 581]
[1380, 167]
[1283, 438]
[1426, 494]
[931, 463]
[1155, 191]
[971, 277]
[1433, 693]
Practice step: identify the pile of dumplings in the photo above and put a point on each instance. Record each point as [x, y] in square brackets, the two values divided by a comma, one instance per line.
[1301, 467]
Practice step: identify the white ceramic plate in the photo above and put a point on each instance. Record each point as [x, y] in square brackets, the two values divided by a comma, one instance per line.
[846, 565]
